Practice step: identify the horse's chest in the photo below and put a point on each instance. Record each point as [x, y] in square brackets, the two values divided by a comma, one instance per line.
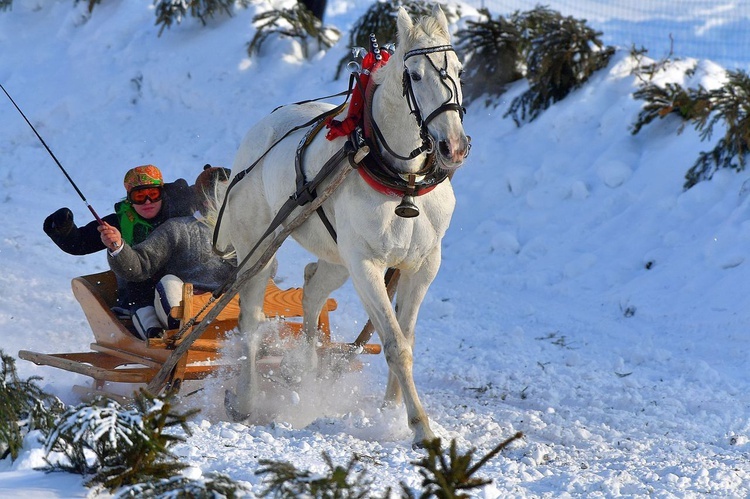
[392, 238]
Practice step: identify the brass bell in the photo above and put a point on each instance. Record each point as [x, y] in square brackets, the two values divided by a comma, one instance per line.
[407, 208]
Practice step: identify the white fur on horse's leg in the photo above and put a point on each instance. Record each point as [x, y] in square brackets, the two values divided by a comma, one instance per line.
[251, 315]
[393, 395]
[412, 288]
[368, 281]
[321, 279]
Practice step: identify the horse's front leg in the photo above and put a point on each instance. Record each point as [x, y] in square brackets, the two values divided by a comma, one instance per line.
[412, 288]
[368, 281]
[239, 405]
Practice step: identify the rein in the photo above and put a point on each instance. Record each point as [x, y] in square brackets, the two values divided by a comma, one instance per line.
[299, 198]
[232, 284]
[237, 178]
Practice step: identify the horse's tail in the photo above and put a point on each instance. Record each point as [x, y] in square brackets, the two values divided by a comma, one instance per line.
[217, 218]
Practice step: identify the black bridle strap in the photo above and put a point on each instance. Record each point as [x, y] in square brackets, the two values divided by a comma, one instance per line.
[447, 105]
[237, 178]
[429, 50]
[427, 143]
[288, 207]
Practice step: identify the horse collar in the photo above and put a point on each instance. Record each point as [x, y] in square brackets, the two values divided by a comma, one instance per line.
[383, 177]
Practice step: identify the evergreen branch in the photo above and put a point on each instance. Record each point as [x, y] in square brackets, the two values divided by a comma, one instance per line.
[297, 22]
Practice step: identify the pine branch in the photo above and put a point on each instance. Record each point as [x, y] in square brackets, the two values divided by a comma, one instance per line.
[446, 477]
[561, 54]
[284, 481]
[169, 12]
[24, 407]
[492, 54]
[297, 22]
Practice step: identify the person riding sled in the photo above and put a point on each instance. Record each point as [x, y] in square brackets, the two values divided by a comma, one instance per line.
[177, 251]
[149, 203]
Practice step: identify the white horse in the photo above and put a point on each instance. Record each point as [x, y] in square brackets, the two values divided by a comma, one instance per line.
[422, 78]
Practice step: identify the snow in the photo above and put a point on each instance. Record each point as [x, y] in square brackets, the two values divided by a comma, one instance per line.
[584, 299]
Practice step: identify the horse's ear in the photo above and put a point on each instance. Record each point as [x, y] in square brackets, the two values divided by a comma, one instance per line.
[439, 15]
[404, 24]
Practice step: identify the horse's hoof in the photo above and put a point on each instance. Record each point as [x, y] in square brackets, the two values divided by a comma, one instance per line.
[420, 444]
[230, 401]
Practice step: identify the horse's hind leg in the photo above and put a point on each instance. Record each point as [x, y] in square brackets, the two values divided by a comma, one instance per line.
[321, 279]
[397, 346]
[252, 294]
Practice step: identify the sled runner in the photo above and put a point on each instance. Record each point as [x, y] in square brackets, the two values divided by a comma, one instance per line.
[120, 357]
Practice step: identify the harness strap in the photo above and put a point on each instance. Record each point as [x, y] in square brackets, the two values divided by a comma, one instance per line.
[329, 227]
[288, 207]
[237, 178]
[304, 193]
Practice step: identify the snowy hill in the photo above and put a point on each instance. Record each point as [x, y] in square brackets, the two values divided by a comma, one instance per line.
[584, 299]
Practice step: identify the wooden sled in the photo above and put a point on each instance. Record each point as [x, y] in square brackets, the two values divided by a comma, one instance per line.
[119, 356]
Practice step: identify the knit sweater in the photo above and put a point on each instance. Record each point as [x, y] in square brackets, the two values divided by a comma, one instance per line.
[179, 246]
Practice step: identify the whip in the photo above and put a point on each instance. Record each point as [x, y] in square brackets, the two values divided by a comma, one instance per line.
[91, 209]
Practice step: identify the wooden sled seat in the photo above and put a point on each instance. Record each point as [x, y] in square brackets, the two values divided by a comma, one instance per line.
[119, 356]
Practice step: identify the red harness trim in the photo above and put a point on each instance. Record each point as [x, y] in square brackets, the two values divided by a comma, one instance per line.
[385, 189]
[354, 115]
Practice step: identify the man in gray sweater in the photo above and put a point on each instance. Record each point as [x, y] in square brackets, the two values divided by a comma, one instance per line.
[179, 250]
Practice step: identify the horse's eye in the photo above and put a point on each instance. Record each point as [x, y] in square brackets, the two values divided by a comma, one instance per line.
[415, 76]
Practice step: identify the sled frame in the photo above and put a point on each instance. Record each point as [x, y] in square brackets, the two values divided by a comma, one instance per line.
[118, 356]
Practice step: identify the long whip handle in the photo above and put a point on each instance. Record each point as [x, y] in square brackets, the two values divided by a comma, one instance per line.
[91, 209]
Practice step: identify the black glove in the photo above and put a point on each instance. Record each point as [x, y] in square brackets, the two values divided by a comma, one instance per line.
[60, 223]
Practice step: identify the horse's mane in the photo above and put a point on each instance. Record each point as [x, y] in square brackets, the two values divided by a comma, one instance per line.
[212, 203]
[429, 26]
[425, 27]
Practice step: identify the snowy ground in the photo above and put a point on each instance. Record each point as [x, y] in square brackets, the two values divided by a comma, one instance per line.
[584, 298]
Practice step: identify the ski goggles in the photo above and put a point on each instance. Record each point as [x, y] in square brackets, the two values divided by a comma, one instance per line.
[140, 196]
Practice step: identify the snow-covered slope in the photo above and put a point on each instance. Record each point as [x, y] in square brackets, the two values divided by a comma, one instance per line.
[584, 298]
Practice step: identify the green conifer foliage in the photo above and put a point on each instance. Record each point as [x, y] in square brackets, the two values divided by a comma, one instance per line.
[689, 104]
[119, 446]
[491, 51]
[284, 481]
[170, 12]
[214, 485]
[24, 407]
[449, 476]
[561, 54]
[296, 22]
[727, 106]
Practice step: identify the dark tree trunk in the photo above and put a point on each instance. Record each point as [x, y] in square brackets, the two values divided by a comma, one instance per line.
[317, 7]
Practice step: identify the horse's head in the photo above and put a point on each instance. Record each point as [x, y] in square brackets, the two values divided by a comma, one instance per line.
[432, 83]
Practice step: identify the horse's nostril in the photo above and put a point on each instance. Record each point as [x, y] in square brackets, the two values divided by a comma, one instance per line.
[444, 148]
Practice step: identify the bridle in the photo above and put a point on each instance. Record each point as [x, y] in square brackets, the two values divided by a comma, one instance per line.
[450, 104]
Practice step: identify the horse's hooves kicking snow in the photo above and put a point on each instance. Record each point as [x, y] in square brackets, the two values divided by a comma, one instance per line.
[230, 402]
[410, 121]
